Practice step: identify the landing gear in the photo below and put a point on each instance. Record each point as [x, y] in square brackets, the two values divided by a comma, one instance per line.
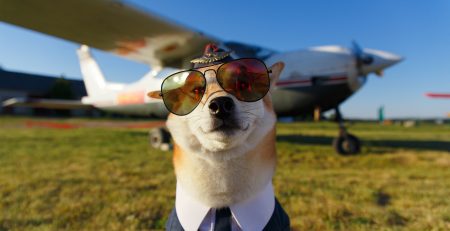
[345, 143]
[159, 138]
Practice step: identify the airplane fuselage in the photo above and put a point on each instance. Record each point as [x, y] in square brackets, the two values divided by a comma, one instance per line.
[319, 77]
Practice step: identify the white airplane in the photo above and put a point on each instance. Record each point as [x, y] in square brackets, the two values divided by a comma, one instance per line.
[314, 79]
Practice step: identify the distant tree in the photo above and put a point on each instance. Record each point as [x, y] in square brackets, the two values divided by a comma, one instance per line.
[60, 90]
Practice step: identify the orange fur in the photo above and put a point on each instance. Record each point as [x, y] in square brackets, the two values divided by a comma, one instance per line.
[177, 155]
[266, 148]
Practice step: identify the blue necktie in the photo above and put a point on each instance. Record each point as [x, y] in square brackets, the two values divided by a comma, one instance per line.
[223, 220]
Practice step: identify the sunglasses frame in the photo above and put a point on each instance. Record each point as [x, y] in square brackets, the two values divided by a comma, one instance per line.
[269, 71]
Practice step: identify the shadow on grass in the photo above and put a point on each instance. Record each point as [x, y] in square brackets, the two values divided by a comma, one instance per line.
[432, 145]
[137, 133]
[23, 223]
[302, 139]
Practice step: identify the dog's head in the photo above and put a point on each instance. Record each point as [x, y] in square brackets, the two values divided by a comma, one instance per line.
[221, 125]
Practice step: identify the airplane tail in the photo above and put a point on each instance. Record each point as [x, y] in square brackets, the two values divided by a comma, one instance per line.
[92, 75]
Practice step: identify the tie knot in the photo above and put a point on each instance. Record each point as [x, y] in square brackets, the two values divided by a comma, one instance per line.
[223, 219]
[223, 212]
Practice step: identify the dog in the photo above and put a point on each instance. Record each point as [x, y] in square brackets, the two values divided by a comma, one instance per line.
[224, 156]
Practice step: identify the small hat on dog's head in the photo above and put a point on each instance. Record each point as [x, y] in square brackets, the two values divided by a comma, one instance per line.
[211, 56]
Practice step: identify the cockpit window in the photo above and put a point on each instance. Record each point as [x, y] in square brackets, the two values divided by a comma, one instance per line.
[247, 51]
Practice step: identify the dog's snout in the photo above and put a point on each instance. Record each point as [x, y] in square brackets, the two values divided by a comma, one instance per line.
[221, 107]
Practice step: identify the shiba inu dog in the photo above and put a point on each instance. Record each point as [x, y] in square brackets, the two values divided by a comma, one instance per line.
[223, 127]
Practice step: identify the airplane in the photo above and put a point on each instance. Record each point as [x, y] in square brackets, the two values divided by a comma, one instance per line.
[315, 79]
[439, 96]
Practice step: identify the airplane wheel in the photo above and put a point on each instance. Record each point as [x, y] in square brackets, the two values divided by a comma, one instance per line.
[347, 145]
[159, 138]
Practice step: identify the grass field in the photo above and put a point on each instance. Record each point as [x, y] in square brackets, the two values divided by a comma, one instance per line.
[109, 179]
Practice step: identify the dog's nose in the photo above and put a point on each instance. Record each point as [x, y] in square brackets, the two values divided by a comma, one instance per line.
[221, 107]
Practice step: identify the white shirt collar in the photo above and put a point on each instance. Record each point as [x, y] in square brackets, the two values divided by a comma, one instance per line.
[252, 214]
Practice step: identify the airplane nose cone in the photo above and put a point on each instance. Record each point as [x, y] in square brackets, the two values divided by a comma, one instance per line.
[380, 60]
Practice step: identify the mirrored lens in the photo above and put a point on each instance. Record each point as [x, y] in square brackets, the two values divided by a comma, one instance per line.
[247, 79]
[183, 91]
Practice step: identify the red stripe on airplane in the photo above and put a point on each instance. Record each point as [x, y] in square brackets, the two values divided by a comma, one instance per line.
[337, 78]
[291, 82]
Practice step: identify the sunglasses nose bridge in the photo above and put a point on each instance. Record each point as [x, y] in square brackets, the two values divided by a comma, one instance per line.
[210, 73]
[212, 85]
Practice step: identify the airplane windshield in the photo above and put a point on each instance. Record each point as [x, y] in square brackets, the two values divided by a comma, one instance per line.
[248, 51]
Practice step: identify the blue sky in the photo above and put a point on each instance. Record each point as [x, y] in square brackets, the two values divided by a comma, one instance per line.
[416, 30]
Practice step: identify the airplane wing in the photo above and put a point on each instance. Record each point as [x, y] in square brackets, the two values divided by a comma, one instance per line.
[110, 25]
[46, 103]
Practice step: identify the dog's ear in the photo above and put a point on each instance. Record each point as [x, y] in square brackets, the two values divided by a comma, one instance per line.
[276, 70]
[155, 94]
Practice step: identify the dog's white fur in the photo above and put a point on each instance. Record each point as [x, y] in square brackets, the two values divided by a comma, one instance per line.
[196, 135]
[218, 168]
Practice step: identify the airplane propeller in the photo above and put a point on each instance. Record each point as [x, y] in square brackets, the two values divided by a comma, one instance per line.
[361, 58]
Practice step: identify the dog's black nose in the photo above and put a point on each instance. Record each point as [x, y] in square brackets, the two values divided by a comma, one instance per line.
[221, 107]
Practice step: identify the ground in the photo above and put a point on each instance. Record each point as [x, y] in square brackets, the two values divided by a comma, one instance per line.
[102, 178]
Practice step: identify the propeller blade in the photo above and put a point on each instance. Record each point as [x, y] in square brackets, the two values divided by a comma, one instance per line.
[357, 53]
[360, 57]
[356, 49]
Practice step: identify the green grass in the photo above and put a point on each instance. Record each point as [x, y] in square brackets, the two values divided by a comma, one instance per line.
[109, 179]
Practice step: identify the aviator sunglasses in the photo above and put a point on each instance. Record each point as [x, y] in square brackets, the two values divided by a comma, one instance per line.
[247, 79]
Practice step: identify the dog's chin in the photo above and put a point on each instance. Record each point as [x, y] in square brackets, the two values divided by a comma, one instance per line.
[220, 136]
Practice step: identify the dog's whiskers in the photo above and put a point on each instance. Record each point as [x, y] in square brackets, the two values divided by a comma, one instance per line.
[251, 108]
[250, 113]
